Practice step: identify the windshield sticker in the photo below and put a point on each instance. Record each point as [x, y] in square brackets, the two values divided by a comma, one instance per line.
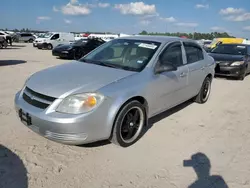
[150, 46]
[140, 61]
[241, 46]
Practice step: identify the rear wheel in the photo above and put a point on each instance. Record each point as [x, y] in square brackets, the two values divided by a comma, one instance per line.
[204, 93]
[129, 124]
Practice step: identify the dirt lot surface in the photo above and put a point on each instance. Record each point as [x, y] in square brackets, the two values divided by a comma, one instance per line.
[216, 133]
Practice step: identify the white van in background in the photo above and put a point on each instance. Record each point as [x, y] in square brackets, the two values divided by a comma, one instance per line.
[51, 40]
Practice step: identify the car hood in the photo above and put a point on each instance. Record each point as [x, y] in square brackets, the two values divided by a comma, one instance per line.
[226, 57]
[63, 47]
[74, 77]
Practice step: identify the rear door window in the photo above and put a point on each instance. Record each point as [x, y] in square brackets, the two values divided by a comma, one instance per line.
[193, 53]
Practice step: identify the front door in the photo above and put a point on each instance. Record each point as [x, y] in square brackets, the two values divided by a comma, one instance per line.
[169, 87]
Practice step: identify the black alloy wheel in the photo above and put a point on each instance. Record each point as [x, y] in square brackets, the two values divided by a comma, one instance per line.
[129, 124]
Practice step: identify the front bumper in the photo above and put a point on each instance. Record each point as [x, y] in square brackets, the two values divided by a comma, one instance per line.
[34, 44]
[62, 54]
[230, 71]
[41, 45]
[66, 128]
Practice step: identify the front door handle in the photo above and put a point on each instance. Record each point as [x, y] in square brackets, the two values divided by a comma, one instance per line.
[183, 74]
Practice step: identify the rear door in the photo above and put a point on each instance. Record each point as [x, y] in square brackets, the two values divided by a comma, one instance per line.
[196, 67]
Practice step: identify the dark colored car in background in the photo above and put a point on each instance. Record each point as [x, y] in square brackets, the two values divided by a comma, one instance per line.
[232, 60]
[77, 49]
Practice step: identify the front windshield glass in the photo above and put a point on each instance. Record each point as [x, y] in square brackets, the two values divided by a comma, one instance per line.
[80, 41]
[48, 35]
[125, 54]
[41, 36]
[230, 49]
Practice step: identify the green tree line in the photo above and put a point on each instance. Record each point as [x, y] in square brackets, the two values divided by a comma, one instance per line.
[195, 35]
[27, 30]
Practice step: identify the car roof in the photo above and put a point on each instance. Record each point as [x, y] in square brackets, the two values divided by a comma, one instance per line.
[233, 44]
[161, 39]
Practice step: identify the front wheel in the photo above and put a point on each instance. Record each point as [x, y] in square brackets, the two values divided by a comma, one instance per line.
[205, 90]
[77, 54]
[242, 77]
[49, 46]
[129, 124]
[30, 40]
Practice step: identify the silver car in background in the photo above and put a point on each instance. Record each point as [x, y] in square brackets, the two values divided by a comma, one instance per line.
[112, 92]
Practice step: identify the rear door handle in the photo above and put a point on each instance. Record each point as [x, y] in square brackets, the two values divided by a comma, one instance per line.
[202, 68]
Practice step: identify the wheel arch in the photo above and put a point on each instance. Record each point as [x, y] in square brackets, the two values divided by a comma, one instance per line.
[138, 98]
[210, 76]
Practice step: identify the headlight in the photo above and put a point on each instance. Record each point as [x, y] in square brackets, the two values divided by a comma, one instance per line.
[237, 63]
[80, 103]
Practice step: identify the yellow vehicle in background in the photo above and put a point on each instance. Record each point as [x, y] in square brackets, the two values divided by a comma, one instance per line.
[218, 41]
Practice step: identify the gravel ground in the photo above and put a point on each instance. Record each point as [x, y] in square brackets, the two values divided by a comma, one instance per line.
[216, 134]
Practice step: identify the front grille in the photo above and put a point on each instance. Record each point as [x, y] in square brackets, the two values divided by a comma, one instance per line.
[36, 99]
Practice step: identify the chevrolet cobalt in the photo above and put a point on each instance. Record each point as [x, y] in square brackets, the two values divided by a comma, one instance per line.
[111, 92]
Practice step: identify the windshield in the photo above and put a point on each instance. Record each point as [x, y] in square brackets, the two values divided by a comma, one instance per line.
[48, 35]
[41, 36]
[125, 54]
[230, 49]
[79, 42]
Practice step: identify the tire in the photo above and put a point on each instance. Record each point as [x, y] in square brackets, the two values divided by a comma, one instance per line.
[77, 54]
[125, 124]
[5, 44]
[242, 77]
[30, 40]
[49, 47]
[204, 92]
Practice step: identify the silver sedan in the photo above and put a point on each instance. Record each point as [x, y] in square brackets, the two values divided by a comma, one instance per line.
[111, 92]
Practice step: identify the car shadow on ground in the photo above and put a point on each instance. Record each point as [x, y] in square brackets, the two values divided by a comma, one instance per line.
[202, 166]
[230, 78]
[13, 173]
[153, 120]
[18, 45]
[10, 48]
[11, 62]
[151, 123]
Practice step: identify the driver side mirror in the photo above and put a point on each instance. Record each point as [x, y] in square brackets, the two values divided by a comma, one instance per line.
[165, 67]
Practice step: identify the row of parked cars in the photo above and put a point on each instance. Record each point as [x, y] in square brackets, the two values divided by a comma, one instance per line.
[113, 91]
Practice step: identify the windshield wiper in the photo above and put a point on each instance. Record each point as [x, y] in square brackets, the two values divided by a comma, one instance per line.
[107, 64]
[99, 63]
